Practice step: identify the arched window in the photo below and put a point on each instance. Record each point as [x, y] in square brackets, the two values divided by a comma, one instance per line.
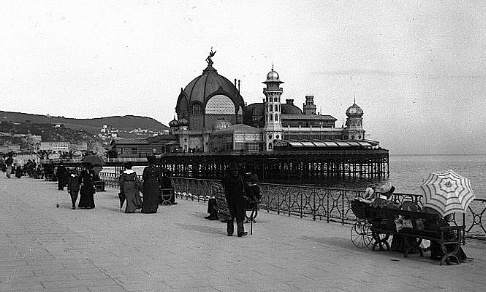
[276, 117]
[270, 146]
[270, 118]
[220, 104]
[196, 109]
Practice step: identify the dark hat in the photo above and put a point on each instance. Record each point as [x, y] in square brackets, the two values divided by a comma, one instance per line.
[128, 165]
[151, 159]
[233, 166]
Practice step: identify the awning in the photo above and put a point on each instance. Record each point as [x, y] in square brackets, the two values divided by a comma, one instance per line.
[326, 144]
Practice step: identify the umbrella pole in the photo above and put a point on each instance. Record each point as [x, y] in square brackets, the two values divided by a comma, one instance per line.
[251, 220]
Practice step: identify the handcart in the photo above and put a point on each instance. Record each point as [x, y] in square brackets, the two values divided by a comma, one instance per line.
[360, 231]
[362, 234]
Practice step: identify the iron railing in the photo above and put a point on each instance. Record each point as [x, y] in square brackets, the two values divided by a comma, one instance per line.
[313, 202]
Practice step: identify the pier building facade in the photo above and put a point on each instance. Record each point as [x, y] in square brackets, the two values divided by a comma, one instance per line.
[213, 126]
[212, 117]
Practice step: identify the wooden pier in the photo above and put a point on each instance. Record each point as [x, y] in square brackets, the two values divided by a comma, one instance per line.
[283, 165]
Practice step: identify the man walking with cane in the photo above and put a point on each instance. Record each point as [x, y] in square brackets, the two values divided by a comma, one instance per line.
[234, 189]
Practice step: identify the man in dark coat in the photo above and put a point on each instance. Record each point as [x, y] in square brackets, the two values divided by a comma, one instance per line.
[234, 189]
[62, 175]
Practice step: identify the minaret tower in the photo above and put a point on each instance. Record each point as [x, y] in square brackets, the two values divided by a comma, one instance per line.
[354, 123]
[273, 123]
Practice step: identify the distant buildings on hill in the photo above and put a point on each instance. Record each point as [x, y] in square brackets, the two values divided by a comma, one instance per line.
[212, 117]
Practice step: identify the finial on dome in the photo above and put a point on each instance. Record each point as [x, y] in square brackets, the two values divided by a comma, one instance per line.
[209, 58]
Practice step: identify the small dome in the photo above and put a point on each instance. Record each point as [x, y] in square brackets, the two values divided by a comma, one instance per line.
[272, 76]
[174, 123]
[183, 122]
[290, 109]
[354, 111]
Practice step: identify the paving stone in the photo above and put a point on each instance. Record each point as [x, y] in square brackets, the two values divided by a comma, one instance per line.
[44, 248]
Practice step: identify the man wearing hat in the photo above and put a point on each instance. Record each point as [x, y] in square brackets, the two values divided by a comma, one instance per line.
[234, 189]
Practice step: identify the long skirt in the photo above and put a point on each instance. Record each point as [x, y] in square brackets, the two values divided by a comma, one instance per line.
[151, 193]
[87, 199]
[133, 201]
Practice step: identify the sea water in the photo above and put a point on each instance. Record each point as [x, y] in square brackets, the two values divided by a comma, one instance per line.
[408, 172]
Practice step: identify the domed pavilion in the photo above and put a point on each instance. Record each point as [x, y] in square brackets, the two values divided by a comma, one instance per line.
[210, 107]
[208, 98]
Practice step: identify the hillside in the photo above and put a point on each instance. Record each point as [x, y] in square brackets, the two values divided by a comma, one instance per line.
[122, 123]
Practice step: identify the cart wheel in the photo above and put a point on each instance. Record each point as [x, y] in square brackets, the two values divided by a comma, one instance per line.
[360, 234]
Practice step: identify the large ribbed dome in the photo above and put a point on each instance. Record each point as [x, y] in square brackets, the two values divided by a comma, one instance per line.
[209, 97]
[210, 83]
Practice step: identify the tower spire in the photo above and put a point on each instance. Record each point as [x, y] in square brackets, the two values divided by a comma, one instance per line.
[273, 109]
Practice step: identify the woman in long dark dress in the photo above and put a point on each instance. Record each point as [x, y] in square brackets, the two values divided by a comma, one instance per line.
[87, 191]
[152, 178]
[130, 187]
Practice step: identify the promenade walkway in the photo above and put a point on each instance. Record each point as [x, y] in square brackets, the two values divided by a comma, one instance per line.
[44, 248]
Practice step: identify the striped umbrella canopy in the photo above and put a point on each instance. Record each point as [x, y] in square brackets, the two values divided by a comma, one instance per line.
[447, 192]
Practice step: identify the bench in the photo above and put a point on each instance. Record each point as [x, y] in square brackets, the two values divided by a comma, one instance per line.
[166, 196]
[424, 226]
[99, 185]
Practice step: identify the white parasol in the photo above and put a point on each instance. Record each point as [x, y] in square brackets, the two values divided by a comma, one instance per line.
[447, 192]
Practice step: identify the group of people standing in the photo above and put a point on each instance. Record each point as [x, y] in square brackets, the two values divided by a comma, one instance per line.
[10, 166]
[239, 191]
[82, 183]
[154, 182]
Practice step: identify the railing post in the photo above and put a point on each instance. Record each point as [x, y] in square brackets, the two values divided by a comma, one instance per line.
[288, 204]
[314, 206]
[301, 202]
[327, 208]
[343, 195]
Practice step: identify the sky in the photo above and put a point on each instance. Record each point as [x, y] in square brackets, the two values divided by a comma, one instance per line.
[416, 68]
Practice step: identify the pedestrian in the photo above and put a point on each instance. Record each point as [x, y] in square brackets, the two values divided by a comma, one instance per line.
[62, 176]
[18, 170]
[8, 163]
[87, 190]
[73, 187]
[234, 189]
[130, 186]
[152, 183]
[369, 193]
